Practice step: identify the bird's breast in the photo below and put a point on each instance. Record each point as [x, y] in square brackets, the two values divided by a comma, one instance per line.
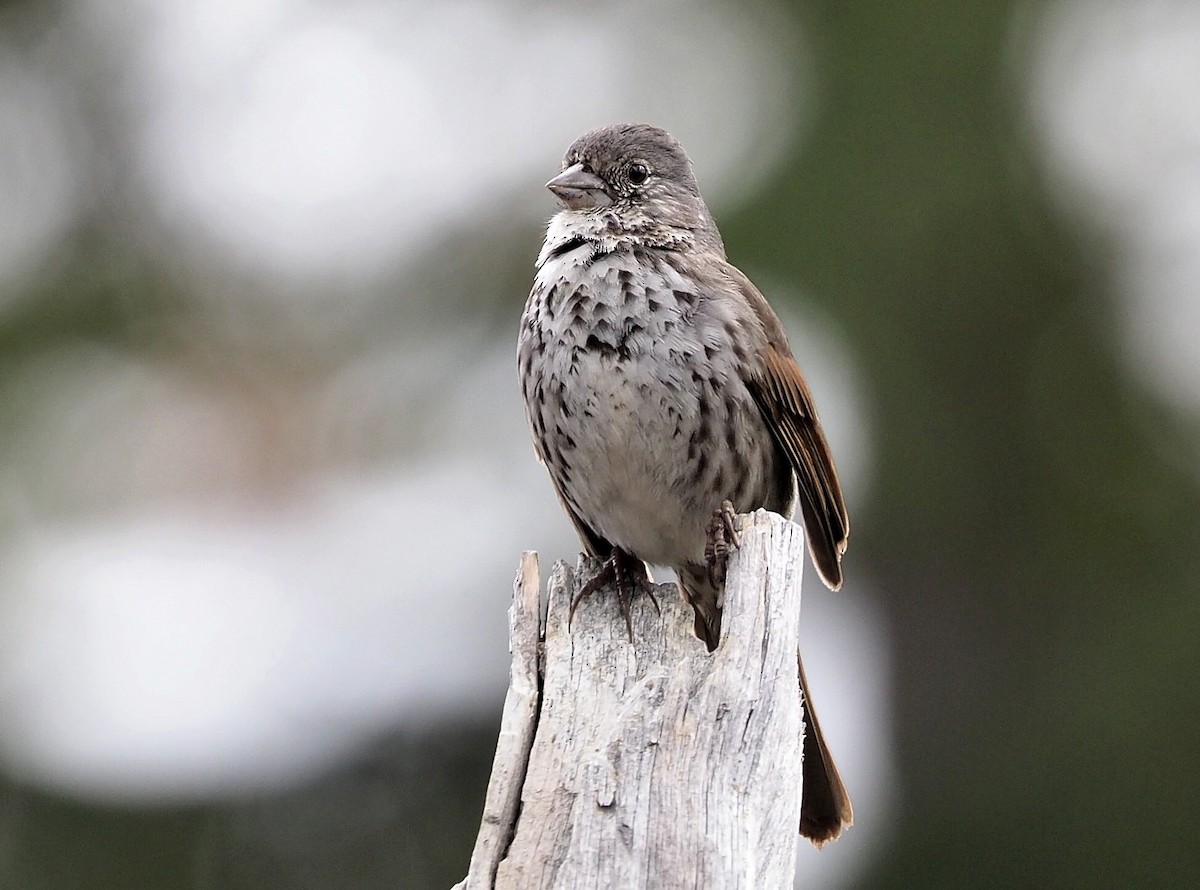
[636, 402]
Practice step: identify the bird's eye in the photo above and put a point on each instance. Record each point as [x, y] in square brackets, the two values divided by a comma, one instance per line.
[638, 173]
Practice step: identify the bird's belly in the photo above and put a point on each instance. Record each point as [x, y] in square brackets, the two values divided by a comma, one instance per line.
[656, 452]
[639, 490]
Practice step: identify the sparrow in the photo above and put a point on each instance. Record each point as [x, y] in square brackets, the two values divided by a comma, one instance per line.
[662, 395]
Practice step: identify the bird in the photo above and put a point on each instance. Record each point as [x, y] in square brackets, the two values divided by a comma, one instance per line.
[662, 395]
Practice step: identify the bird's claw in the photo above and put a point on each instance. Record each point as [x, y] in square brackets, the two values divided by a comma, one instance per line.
[722, 537]
[626, 573]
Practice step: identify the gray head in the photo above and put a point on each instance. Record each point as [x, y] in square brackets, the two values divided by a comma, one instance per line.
[635, 170]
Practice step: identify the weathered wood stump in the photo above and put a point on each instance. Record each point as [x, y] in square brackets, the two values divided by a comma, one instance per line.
[652, 763]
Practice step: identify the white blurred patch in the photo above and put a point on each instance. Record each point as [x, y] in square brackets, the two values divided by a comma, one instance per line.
[187, 653]
[1113, 92]
[335, 140]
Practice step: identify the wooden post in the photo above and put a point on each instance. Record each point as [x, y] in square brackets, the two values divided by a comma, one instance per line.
[651, 764]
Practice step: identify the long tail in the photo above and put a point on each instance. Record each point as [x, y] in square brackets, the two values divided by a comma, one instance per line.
[825, 807]
[825, 804]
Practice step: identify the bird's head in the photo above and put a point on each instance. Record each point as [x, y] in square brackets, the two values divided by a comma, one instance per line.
[636, 172]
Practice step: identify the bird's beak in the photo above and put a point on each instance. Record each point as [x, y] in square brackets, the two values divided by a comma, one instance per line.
[578, 189]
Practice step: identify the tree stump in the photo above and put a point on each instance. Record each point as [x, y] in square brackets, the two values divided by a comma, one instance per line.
[652, 763]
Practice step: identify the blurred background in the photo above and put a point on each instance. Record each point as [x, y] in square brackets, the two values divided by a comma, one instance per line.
[265, 478]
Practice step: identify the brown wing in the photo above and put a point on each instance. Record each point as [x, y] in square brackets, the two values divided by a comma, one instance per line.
[787, 404]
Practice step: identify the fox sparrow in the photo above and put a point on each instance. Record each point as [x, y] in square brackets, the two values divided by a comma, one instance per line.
[661, 393]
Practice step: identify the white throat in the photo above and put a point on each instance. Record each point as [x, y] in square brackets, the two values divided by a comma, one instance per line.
[601, 232]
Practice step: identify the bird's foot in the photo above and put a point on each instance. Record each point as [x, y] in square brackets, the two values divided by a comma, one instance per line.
[722, 538]
[626, 573]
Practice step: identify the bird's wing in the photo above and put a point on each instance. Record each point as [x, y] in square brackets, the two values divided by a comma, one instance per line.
[776, 384]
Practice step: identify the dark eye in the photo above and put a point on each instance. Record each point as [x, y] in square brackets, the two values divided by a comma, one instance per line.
[638, 173]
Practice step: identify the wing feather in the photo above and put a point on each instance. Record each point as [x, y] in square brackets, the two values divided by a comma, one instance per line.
[786, 403]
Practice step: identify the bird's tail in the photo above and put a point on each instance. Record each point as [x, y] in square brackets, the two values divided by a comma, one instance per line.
[825, 805]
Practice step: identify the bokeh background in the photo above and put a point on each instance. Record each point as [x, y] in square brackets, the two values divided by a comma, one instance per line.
[264, 475]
